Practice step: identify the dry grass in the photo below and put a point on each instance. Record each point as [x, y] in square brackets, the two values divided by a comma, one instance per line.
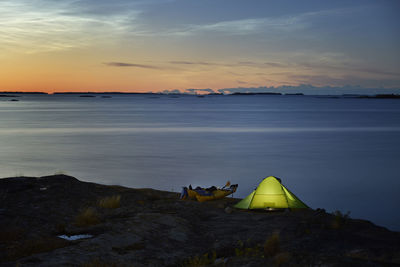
[10, 233]
[248, 251]
[204, 260]
[60, 228]
[87, 217]
[141, 202]
[34, 246]
[272, 245]
[96, 262]
[282, 258]
[112, 202]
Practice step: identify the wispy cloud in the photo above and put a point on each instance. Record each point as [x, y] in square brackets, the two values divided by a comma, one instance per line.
[46, 25]
[278, 25]
[335, 63]
[241, 82]
[239, 27]
[232, 27]
[192, 63]
[124, 64]
[253, 64]
[341, 79]
[43, 25]
[275, 65]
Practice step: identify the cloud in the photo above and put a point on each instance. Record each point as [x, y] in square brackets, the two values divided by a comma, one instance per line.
[377, 71]
[260, 64]
[345, 66]
[47, 25]
[275, 65]
[244, 26]
[241, 27]
[43, 25]
[278, 25]
[247, 63]
[99, 8]
[252, 64]
[123, 64]
[191, 63]
[317, 79]
[281, 24]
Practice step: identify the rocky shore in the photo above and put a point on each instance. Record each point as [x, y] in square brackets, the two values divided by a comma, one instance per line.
[60, 221]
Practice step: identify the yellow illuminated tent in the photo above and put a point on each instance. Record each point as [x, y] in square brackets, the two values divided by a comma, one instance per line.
[270, 193]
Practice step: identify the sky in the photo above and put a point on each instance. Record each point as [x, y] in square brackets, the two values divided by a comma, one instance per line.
[166, 45]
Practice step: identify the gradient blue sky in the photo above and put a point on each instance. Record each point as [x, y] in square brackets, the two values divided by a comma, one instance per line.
[157, 45]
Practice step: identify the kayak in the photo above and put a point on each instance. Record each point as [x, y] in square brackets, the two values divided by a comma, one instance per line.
[206, 194]
[217, 194]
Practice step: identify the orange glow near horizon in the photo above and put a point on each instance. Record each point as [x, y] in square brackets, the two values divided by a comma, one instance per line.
[69, 71]
[91, 71]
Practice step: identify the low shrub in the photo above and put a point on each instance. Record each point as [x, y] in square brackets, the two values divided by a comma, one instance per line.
[96, 262]
[282, 258]
[339, 219]
[112, 202]
[272, 245]
[87, 217]
[140, 202]
[248, 251]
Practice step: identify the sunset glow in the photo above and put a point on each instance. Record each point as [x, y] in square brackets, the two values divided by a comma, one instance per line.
[157, 45]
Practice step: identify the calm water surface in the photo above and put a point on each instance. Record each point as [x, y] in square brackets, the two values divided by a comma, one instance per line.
[333, 153]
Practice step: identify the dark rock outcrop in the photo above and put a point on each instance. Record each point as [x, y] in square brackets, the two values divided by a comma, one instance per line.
[155, 228]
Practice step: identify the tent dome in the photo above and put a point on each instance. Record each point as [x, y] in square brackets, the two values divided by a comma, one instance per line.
[270, 193]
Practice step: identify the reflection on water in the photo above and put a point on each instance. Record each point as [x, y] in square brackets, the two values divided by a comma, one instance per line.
[332, 153]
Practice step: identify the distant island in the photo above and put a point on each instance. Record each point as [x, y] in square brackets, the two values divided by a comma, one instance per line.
[381, 96]
[23, 93]
[261, 93]
[1, 95]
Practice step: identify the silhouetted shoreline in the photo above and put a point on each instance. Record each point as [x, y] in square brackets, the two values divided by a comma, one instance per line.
[91, 94]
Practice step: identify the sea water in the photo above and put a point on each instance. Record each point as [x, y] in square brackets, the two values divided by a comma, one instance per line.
[333, 153]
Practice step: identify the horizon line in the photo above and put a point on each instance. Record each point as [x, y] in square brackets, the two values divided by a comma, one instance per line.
[195, 93]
